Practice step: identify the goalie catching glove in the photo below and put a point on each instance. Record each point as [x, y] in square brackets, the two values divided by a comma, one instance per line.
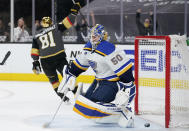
[36, 67]
[67, 83]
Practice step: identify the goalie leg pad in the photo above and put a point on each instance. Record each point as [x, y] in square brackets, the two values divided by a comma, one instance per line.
[97, 112]
[103, 112]
[126, 119]
[132, 94]
[79, 90]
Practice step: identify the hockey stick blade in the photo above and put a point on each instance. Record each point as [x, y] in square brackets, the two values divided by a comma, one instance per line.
[47, 125]
[5, 58]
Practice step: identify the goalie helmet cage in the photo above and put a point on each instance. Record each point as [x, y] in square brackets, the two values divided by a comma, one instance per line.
[162, 79]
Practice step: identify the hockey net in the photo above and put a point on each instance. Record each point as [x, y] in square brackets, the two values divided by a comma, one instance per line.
[162, 78]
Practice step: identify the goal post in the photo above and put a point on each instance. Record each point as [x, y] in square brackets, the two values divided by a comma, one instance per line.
[161, 72]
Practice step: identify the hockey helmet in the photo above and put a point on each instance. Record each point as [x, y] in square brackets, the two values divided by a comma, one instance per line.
[98, 30]
[46, 22]
[97, 34]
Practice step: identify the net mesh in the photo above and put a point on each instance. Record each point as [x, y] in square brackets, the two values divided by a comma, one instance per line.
[179, 93]
[151, 79]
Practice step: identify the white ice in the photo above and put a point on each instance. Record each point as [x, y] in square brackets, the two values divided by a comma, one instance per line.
[27, 106]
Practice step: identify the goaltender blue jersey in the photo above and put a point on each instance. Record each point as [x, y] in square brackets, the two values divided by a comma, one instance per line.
[107, 62]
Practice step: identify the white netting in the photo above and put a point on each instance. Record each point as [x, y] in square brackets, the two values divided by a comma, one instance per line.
[151, 76]
[152, 67]
[179, 82]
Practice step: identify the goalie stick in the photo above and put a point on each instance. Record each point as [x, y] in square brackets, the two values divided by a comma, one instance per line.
[5, 58]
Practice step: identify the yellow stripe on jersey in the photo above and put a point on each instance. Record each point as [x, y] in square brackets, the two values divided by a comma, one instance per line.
[80, 67]
[100, 52]
[125, 69]
[87, 49]
[67, 23]
[113, 79]
[35, 51]
[52, 54]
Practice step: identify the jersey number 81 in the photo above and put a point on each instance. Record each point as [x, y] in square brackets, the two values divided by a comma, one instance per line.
[47, 40]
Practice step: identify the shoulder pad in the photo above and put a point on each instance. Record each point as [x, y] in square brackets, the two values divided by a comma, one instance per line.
[88, 46]
[105, 48]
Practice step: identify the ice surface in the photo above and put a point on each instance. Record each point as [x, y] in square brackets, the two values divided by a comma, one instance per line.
[27, 106]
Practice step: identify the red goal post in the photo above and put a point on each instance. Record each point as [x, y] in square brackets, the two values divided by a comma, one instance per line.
[157, 71]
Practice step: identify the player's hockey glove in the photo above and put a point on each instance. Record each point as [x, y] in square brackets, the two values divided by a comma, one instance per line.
[36, 67]
[67, 83]
[75, 9]
[61, 95]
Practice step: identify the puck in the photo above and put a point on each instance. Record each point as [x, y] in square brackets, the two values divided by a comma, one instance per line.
[147, 124]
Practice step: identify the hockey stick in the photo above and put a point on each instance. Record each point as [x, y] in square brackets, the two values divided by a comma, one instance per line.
[46, 125]
[5, 58]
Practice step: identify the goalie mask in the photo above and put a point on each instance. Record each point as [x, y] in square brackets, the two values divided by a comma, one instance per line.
[46, 22]
[97, 35]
